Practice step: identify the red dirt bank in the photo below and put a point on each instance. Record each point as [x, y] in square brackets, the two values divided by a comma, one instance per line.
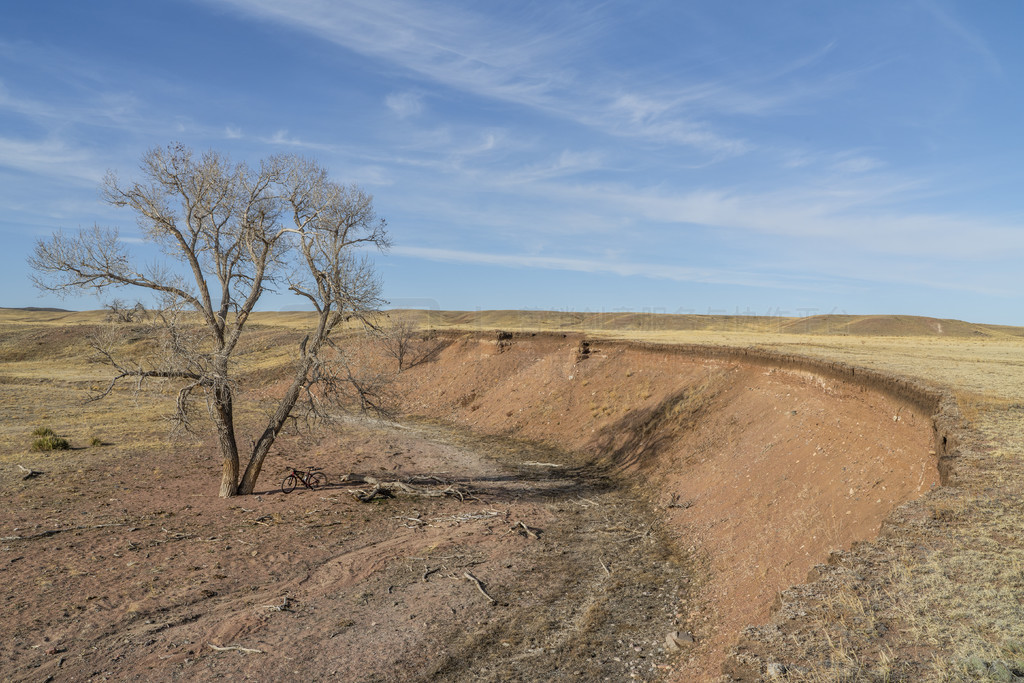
[760, 466]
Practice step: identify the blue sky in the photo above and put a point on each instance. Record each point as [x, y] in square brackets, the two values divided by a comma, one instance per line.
[779, 158]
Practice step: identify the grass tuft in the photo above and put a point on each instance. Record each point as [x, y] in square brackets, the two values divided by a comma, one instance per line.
[48, 441]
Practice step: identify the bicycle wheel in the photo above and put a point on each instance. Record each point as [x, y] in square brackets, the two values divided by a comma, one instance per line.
[289, 483]
[317, 479]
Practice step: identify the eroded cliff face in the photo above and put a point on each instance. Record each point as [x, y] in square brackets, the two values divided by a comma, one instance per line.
[759, 465]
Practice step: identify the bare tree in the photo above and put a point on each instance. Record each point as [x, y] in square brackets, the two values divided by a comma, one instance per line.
[120, 312]
[403, 340]
[397, 340]
[230, 233]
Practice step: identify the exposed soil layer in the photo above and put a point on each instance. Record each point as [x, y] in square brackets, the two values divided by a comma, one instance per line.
[760, 465]
[612, 494]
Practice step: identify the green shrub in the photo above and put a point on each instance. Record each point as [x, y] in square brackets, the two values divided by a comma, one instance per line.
[43, 431]
[96, 441]
[51, 443]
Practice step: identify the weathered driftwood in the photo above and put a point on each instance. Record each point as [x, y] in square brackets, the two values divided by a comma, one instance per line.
[236, 648]
[389, 489]
[480, 587]
[28, 472]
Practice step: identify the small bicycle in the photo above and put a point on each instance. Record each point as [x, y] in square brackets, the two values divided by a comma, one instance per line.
[311, 477]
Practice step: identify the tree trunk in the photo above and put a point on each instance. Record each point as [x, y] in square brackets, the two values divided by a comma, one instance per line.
[223, 415]
[266, 440]
[229, 477]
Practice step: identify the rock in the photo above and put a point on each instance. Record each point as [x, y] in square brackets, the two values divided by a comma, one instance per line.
[775, 671]
[675, 640]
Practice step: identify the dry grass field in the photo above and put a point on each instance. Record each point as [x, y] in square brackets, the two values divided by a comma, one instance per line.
[146, 570]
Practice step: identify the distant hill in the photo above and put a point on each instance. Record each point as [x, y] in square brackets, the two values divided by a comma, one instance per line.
[36, 308]
[855, 325]
[897, 326]
[620, 322]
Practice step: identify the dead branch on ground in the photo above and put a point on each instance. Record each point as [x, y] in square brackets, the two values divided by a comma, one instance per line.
[285, 606]
[389, 489]
[377, 491]
[480, 587]
[413, 522]
[29, 473]
[246, 650]
[523, 530]
[423, 478]
[54, 532]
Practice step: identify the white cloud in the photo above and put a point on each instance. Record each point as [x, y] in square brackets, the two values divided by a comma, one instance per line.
[488, 141]
[567, 163]
[797, 159]
[649, 270]
[526, 65]
[858, 218]
[444, 44]
[405, 105]
[282, 137]
[830, 273]
[106, 109]
[50, 157]
[368, 175]
[824, 270]
[858, 164]
[232, 132]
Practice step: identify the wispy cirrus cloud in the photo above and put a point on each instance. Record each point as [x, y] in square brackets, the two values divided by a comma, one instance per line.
[567, 163]
[528, 65]
[282, 137]
[832, 272]
[51, 157]
[858, 164]
[857, 210]
[966, 34]
[405, 104]
[107, 109]
[860, 219]
[449, 46]
[612, 266]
